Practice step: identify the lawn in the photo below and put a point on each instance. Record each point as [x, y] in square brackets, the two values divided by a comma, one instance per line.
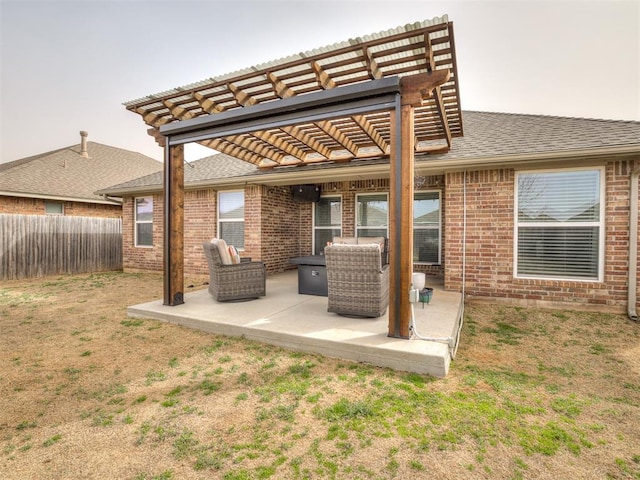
[88, 393]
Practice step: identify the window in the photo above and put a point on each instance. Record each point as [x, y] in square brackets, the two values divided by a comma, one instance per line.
[53, 208]
[231, 218]
[327, 222]
[372, 215]
[559, 224]
[144, 222]
[426, 227]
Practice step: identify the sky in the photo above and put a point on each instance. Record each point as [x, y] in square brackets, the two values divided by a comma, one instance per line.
[67, 66]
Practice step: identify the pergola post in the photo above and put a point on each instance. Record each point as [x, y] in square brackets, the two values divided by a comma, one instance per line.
[173, 224]
[401, 219]
[414, 90]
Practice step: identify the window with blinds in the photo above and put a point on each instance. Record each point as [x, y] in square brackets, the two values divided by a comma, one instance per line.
[426, 227]
[372, 215]
[327, 222]
[231, 218]
[559, 224]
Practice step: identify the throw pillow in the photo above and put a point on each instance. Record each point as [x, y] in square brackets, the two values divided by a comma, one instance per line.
[225, 258]
[235, 256]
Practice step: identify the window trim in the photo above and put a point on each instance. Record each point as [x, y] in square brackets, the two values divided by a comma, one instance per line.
[313, 219]
[230, 220]
[136, 222]
[601, 224]
[439, 227]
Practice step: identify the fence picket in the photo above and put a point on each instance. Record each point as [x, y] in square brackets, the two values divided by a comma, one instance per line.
[39, 245]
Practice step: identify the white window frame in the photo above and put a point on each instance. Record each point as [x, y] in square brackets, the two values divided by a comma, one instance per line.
[331, 227]
[600, 224]
[50, 202]
[230, 220]
[137, 222]
[439, 227]
[359, 228]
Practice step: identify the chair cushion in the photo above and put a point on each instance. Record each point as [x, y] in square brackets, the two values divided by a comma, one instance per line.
[345, 240]
[223, 249]
[366, 240]
[234, 255]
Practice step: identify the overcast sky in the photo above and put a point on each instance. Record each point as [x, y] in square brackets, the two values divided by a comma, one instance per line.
[67, 66]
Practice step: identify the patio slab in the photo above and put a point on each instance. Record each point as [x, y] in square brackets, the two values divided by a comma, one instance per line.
[301, 322]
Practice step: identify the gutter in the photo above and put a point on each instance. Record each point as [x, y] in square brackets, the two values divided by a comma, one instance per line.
[117, 200]
[633, 246]
[105, 200]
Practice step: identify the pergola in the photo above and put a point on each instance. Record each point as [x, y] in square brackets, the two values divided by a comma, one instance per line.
[392, 94]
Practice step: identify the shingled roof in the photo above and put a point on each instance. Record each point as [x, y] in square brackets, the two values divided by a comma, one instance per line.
[490, 138]
[65, 174]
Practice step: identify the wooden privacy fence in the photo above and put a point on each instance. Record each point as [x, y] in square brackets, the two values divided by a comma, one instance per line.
[38, 245]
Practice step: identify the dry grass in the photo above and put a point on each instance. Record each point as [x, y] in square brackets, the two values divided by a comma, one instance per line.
[86, 392]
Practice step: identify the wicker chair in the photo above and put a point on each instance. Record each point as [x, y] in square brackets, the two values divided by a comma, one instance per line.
[358, 285]
[241, 281]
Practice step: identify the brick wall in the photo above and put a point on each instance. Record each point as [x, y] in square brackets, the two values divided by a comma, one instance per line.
[276, 227]
[490, 242]
[36, 206]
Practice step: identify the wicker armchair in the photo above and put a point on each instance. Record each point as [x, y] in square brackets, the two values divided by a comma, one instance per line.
[358, 284]
[240, 281]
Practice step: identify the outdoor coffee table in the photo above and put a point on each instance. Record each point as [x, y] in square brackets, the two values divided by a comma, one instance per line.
[312, 274]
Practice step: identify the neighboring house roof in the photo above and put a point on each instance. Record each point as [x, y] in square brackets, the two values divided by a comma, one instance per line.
[65, 174]
[490, 139]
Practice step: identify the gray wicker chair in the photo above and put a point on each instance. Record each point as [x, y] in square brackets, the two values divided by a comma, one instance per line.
[242, 281]
[358, 285]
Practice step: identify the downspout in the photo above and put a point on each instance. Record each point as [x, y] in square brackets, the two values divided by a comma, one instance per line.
[633, 246]
[464, 262]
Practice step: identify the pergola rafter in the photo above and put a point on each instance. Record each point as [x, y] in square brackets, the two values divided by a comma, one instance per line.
[416, 48]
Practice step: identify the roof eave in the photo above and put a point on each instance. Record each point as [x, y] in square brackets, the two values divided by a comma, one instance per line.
[57, 198]
[425, 164]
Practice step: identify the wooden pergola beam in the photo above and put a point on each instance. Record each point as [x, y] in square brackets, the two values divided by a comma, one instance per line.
[281, 144]
[414, 90]
[338, 135]
[371, 132]
[371, 64]
[207, 104]
[308, 140]
[233, 150]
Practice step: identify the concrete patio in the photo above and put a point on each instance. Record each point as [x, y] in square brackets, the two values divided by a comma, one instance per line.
[301, 322]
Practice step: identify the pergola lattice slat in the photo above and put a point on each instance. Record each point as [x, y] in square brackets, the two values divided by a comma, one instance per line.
[417, 48]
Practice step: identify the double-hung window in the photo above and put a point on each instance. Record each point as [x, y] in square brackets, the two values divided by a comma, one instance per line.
[559, 227]
[426, 227]
[372, 215]
[144, 222]
[327, 222]
[231, 218]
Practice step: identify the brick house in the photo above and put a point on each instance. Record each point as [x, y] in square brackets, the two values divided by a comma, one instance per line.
[524, 208]
[64, 181]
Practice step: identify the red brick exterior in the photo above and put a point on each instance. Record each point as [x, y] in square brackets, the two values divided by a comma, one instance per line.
[35, 206]
[489, 271]
[277, 228]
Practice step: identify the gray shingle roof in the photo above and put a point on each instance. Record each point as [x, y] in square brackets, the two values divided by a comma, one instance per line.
[65, 173]
[488, 136]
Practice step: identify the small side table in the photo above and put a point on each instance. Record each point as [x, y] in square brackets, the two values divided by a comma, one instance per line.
[312, 275]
